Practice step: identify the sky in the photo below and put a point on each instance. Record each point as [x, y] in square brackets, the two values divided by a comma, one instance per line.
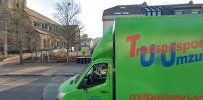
[92, 10]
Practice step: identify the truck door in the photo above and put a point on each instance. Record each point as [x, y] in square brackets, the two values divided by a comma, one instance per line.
[96, 82]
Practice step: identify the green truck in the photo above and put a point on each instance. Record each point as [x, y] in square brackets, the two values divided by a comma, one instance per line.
[144, 58]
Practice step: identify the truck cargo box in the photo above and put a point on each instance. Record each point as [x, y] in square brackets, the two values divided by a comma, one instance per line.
[159, 57]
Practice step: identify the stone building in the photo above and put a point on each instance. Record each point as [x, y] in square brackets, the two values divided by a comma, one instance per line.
[45, 28]
[41, 31]
[86, 44]
[145, 10]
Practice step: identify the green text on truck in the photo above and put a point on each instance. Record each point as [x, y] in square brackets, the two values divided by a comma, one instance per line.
[144, 58]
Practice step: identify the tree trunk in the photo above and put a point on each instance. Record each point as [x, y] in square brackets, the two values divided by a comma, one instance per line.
[21, 49]
[21, 56]
[67, 55]
[41, 56]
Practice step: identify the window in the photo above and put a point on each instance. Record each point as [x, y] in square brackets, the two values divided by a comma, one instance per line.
[154, 13]
[96, 76]
[159, 13]
[149, 13]
[178, 12]
[43, 26]
[17, 5]
[49, 28]
[195, 11]
[122, 7]
[117, 13]
[34, 23]
[126, 13]
[46, 26]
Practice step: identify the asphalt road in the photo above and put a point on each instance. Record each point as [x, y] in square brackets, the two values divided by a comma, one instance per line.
[30, 87]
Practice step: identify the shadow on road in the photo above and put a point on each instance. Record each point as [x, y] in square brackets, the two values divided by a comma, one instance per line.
[31, 88]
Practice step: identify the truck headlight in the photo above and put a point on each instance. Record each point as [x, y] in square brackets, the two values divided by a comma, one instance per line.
[60, 96]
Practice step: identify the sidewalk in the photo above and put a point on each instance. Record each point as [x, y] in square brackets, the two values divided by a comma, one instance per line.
[14, 59]
[41, 69]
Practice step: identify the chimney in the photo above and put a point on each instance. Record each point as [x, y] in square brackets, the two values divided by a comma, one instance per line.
[144, 3]
[191, 2]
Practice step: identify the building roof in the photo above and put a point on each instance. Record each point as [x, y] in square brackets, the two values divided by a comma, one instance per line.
[38, 15]
[124, 9]
[142, 9]
[170, 9]
[187, 5]
[166, 10]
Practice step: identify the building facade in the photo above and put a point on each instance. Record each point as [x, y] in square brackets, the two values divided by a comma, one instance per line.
[46, 29]
[42, 32]
[75, 38]
[145, 10]
[86, 44]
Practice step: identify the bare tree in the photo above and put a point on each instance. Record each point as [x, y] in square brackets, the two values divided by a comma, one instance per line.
[1, 44]
[67, 12]
[22, 32]
[4, 19]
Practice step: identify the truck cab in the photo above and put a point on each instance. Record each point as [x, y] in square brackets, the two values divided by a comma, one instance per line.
[96, 81]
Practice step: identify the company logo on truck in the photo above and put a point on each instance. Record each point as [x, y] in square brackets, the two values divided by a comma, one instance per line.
[163, 50]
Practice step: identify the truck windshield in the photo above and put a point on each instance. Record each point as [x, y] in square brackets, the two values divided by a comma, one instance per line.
[77, 78]
[97, 75]
[80, 74]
